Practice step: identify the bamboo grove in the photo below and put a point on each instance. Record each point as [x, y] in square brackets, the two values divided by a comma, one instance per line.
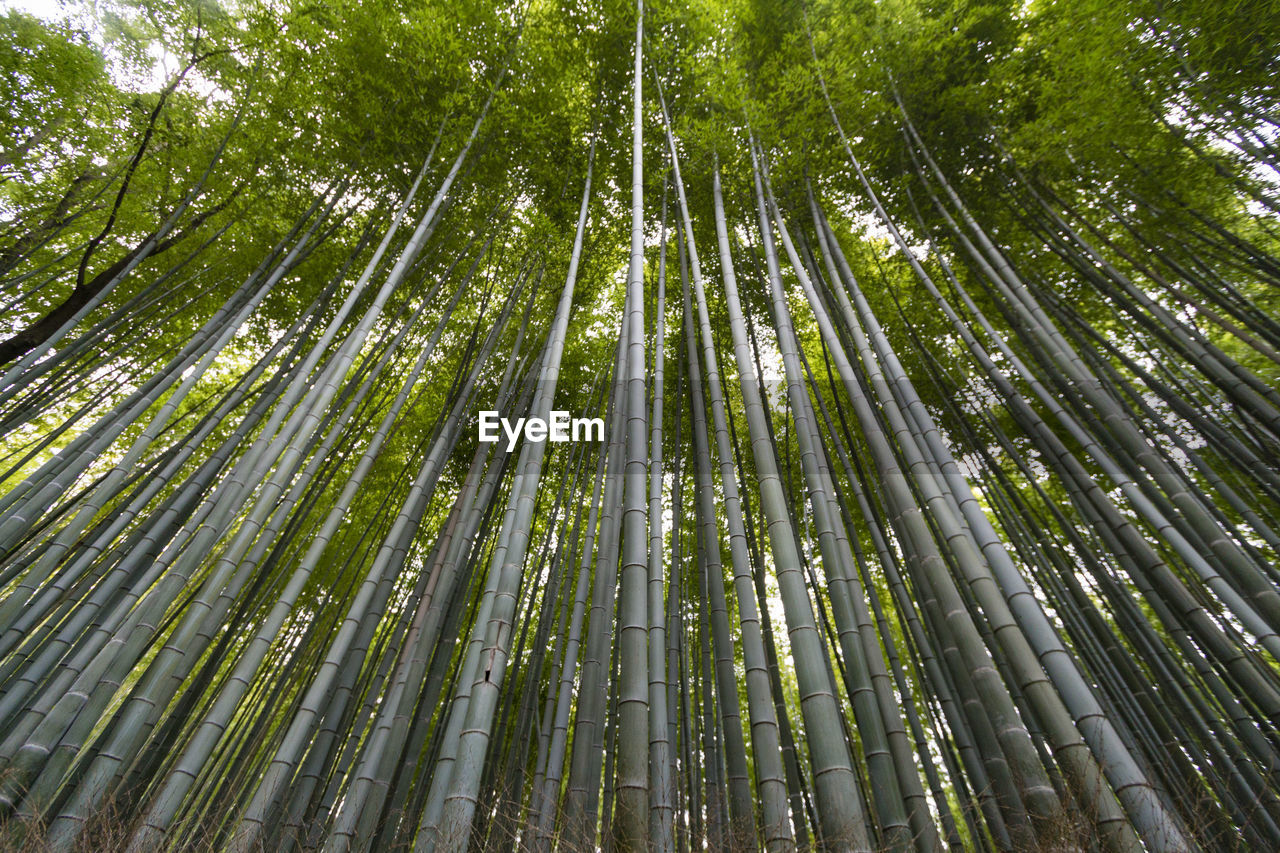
[938, 502]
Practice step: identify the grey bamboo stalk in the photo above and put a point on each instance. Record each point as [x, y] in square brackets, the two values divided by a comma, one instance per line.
[166, 515]
[378, 761]
[998, 573]
[27, 499]
[106, 488]
[771, 787]
[1128, 780]
[199, 622]
[545, 797]
[1135, 790]
[661, 725]
[715, 614]
[460, 803]
[180, 780]
[287, 449]
[581, 799]
[391, 552]
[1261, 620]
[137, 717]
[632, 785]
[836, 557]
[679, 687]
[1134, 542]
[838, 803]
[916, 532]
[907, 774]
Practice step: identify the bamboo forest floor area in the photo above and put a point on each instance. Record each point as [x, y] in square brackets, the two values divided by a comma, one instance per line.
[627, 425]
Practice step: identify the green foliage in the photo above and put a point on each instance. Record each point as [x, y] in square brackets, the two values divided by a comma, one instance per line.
[50, 77]
[1148, 128]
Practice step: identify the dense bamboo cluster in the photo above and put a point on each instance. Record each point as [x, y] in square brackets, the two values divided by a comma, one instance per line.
[835, 579]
